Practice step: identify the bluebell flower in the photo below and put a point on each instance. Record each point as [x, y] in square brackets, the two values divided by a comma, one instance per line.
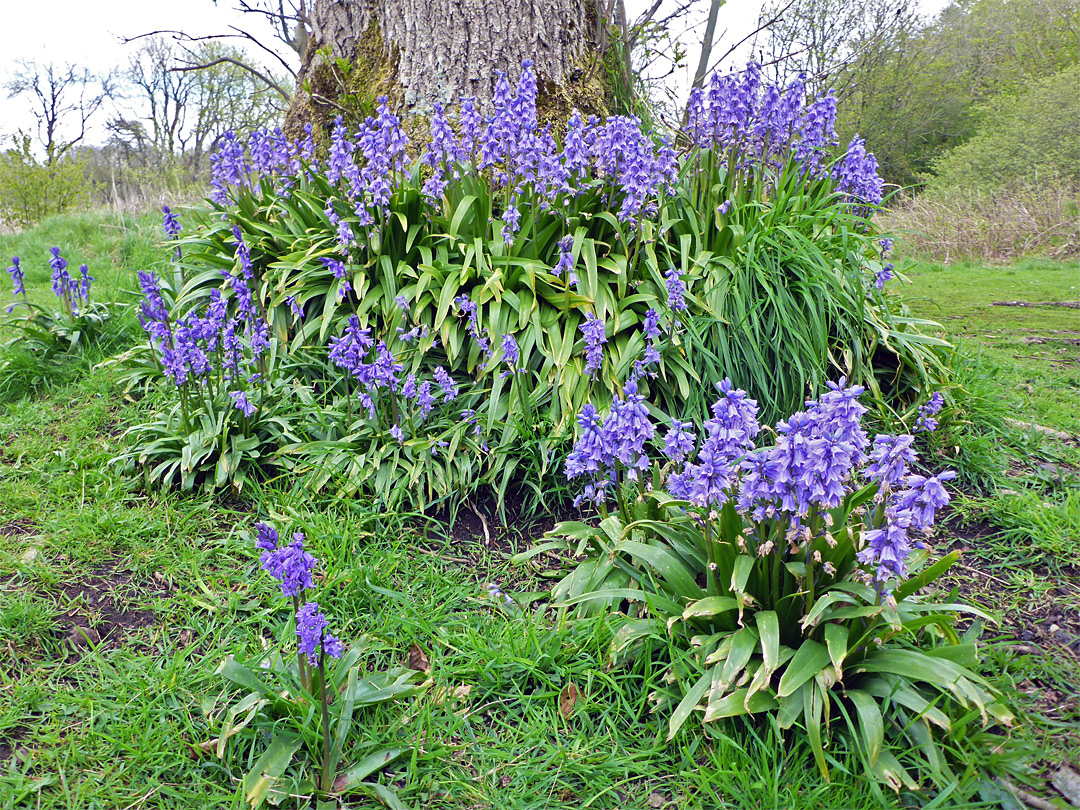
[511, 353]
[926, 422]
[18, 277]
[312, 638]
[339, 271]
[397, 433]
[294, 307]
[240, 402]
[679, 442]
[170, 224]
[923, 496]
[291, 565]
[676, 290]
[593, 332]
[889, 460]
[883, 275]
[446, 383]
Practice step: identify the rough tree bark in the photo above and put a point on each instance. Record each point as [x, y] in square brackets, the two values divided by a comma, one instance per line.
[419, 52]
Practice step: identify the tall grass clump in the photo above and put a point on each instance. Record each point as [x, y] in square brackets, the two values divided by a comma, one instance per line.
[418, 322]
[998, 225]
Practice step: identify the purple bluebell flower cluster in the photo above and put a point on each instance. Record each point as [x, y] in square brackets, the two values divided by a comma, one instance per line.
[312, 636]
[170, 224]
[883, 275]
[926, 423]
[856, 174]
[18, 277]
[290, 564]
[592, 330]
[819, 457]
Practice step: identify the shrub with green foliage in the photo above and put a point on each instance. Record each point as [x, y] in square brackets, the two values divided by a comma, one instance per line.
[31, 191]
[785, 579]
[440, 321]
[1031, 138]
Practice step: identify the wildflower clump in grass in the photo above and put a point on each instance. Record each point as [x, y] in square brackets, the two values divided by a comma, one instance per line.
[306, 699]
[44, 330]
[787, 575]
[358, 282]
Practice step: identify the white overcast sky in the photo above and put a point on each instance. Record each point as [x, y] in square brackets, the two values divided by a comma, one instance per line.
[91, 33]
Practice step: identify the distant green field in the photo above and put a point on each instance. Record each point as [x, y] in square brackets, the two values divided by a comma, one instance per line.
[1037, 349]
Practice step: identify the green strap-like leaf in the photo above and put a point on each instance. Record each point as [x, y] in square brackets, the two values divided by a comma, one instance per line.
[871, 724]
[689, 702]
[807, 662]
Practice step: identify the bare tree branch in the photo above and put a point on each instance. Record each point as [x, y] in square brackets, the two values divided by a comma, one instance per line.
[223, 59]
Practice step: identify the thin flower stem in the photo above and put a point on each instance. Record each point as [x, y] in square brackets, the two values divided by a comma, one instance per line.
[323, 700]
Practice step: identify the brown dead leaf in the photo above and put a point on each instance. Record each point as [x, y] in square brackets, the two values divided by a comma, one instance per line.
[444, 694]
[568, 698]
[418, 660]
[205, 747]
[185, 637]
[339, 783]
[657, 800]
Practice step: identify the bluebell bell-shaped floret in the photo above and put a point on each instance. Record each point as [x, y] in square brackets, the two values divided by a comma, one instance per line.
[734, 425]
[339, 161]
[883, 275]
[839, 412]
[628, 429]
[888, 547]
[651, 325]
[367, 403]
[792, 454]
[346, 238]
[679, 441]
[245, 301]
[153, 314]
[61, 279]
[827, 470]
[258, 332]
[241, 403]
[856, 174]
[408, 388]
[512, 219]
[593, 332]
[709, 478]
[243, 254]
[593, 452]
[293, 566]
[231, 348]
[469, 122]
[889, 460]
[384, 371]
[470, 310]
[510, 349]
[397, 433]
[923, 496]
[566, 257]
[446, 384]
[339, 271]
[523, 105]
[266, 537]
[312, 638]
[294, 307]
[575, 155]
[349, 350]
[229, 168]
[425, 402]
[757, 485]
[926, 421]
[697, 119]
[886, 245]
[817, 134]
[18, 277]
[676, 290]
[170, 224]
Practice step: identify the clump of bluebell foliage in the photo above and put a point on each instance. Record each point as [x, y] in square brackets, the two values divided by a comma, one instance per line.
[785, 578]
[413, 322]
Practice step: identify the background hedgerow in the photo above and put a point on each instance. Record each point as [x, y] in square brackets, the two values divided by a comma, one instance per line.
[439, 321]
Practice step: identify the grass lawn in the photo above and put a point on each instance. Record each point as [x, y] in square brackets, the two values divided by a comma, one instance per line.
[117, 605]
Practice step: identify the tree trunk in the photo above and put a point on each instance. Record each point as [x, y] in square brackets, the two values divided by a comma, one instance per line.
[423, 52]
